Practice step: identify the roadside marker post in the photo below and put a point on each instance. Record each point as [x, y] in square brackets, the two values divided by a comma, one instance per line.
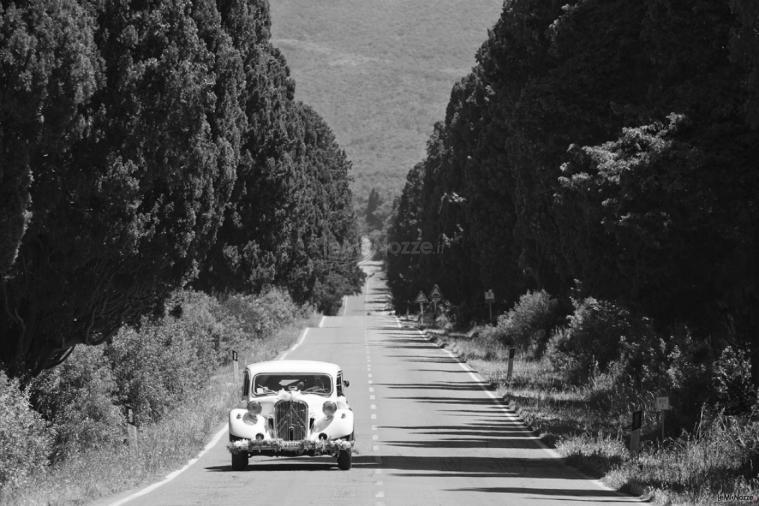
[510, 370]
[490, 298]
[637, 422]
[235, 367]
[131, 427]
[662, 406]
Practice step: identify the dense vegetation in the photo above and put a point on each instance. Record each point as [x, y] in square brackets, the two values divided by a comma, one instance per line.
[599, 149]
[64, 436]
[148, 145]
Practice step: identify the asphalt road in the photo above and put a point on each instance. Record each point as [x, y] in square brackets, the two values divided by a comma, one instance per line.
[427, 432]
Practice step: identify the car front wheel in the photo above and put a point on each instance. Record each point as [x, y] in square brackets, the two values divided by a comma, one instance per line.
[344, 459]
[239, 461]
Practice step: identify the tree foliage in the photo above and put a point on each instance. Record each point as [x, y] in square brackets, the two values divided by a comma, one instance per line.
[612, 143]
[132, 135]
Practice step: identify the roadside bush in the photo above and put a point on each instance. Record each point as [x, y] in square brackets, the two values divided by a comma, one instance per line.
[720, 457]
[528, 324]
[591, 339]
[205, 315]
[487, 339]
[731, 380]
[648, 366]
[77, 399]
[169, 361]
[25, 441]
[260, 316]
[160, 365]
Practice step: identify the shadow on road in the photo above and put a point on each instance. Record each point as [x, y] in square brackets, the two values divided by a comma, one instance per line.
[283, 464]
[591, 494]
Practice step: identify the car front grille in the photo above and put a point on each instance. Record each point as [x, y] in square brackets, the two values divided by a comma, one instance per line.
[291, 420]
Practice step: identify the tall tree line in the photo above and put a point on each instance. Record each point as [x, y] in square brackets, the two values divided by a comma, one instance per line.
[609, 147]
[145, 145]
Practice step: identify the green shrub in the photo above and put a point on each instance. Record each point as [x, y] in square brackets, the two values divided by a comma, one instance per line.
[592, 338]
[261, 315]
[528, 324]
[731, 380]
[160, 365]
[487, 340]
[205, 315]
[25, 441]
[168, 361]
[719, 457]
[649, 366]
[77, 399]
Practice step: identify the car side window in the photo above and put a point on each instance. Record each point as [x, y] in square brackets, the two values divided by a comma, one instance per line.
[340, 384]
[246, 385]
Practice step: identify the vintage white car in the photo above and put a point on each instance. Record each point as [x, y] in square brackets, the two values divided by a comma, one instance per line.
[293, 407]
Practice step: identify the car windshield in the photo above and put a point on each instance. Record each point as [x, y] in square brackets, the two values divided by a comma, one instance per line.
[267, 384]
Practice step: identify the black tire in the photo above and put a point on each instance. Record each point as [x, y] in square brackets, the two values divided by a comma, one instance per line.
[344, 459]
[239, 461]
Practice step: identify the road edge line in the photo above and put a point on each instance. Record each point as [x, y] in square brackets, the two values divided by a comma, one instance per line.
[499, 402]
[213, 442]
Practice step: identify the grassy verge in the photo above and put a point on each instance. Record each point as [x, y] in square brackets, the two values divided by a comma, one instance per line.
[161, 447]
[714, 461]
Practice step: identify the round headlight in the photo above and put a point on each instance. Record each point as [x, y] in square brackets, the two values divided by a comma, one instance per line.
[329, 408]
[254, 407]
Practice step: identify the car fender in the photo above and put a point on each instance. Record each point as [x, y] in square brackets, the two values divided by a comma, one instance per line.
[340, 425]
[241, 427]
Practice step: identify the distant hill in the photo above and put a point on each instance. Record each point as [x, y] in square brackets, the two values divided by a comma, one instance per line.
[380, 73]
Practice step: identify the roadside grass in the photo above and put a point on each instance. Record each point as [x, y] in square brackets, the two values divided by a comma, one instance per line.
[161, 447]
[719, 458]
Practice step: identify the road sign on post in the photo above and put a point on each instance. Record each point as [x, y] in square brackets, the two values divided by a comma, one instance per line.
[490, 298]
[436, 295]
[421, 299]
[662, 403]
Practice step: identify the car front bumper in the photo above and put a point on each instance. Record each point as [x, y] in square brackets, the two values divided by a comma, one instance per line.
[272, 447]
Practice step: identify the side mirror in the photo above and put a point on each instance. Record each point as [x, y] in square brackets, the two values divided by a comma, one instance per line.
[346, 383]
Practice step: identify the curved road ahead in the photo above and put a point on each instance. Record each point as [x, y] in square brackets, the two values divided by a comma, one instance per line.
[427, 432]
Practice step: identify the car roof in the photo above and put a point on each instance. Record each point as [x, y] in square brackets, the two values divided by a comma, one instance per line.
[301, 366]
